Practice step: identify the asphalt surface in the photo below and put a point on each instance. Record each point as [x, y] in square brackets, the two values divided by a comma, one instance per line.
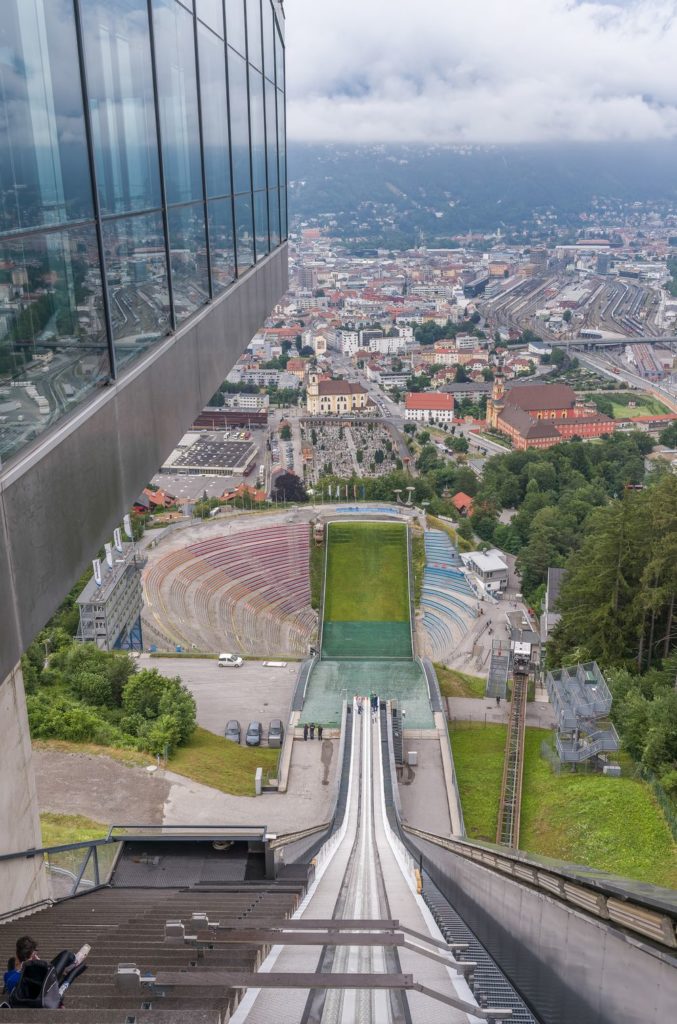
[251, 693]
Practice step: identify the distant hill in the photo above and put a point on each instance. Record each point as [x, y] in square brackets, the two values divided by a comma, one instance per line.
[403, 194]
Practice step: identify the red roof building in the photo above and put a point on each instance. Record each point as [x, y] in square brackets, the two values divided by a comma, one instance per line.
[462, 503]
[429, 406]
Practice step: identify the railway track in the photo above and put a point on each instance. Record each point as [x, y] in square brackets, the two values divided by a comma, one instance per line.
[508, 829]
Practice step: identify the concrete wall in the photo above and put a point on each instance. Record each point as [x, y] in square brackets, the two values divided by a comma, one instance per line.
[60, 499]
[566, 965]
[21, 881]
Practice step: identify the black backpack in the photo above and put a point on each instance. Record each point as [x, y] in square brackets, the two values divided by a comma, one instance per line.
[37, 988]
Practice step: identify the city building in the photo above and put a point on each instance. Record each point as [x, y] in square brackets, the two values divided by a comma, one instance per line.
[330, 397]
[250, 403]
[110, 603]
[427, 406]
[143, 240]
[542, 415]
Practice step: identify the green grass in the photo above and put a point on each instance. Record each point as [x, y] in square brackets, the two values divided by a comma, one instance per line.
[459, 684]
[367, 573]
[59, 829]
[646, 405]
[478, 758]
[612, 824]
[316, 572]
[217, 762]
[615, 825]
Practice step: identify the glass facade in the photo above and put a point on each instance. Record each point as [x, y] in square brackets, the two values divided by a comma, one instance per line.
[142, 170]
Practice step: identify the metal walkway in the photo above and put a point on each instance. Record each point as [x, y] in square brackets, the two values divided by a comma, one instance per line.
[364, 874]
[508, 830]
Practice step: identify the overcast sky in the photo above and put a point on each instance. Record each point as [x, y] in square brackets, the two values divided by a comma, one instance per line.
[457, 71]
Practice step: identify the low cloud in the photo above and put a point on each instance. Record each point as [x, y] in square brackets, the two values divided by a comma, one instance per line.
[495, 71]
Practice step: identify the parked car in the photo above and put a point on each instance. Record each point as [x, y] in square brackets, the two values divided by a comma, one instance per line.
[233, 730]
[230, 661]
[275, 733]
[254, 734]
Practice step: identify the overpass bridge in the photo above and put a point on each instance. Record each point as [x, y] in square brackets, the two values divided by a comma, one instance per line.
[592, 343]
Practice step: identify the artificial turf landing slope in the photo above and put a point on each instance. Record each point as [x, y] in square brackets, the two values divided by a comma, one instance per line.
[366, 609]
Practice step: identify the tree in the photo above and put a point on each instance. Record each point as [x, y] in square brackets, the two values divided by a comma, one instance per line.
[307, 351]
[668, 437]
[424, 437]
[217, 400]
[288, 487]
[461, 377]
[359, 455]
[567, 316]
[378, 456]
[285, 432]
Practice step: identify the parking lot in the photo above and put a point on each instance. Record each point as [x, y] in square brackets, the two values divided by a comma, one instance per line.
[250, 693]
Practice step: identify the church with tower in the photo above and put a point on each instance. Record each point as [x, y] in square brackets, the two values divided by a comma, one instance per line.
[542, 415]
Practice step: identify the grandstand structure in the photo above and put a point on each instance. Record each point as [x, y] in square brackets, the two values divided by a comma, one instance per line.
[582, 702]
[448, 601]
[239, 587]
[359, 917]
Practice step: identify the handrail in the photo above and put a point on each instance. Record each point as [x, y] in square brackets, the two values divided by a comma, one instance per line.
[631, 910]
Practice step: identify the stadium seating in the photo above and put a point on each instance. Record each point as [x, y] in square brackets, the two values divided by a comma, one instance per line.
[128, 926]
[448, 601]
[248, 591]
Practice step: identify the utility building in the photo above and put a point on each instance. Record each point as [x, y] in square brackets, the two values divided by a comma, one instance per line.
[110, 606]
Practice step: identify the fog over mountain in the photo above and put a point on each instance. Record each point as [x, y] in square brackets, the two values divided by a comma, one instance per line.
[432, 192]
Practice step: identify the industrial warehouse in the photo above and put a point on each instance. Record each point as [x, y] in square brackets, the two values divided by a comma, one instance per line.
[226, 454]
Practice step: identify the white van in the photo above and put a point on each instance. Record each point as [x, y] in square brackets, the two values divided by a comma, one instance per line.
[230, 661]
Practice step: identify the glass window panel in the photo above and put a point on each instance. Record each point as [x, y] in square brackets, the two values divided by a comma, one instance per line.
[268, 40]
[188, 255]
[261, 224]
[258, 128]
[53, 348]
[281, 140]
[271, 133]
[254, 33]
[283, 211]
[244, 233]
[221, 243]
[279, 59]
[274, 216]
[239, 122]
[235, 25]
[177, 90]
[211, 12]
[44, 174]
[120, 86]
[136, 270]
[214, 113]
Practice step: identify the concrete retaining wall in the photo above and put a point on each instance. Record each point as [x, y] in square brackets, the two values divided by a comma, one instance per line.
[21, 881]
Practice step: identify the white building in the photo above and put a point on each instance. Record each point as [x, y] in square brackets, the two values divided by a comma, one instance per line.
[347, 342]
[428, 406]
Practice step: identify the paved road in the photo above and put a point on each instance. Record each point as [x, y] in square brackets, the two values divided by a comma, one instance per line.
[250, 693]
